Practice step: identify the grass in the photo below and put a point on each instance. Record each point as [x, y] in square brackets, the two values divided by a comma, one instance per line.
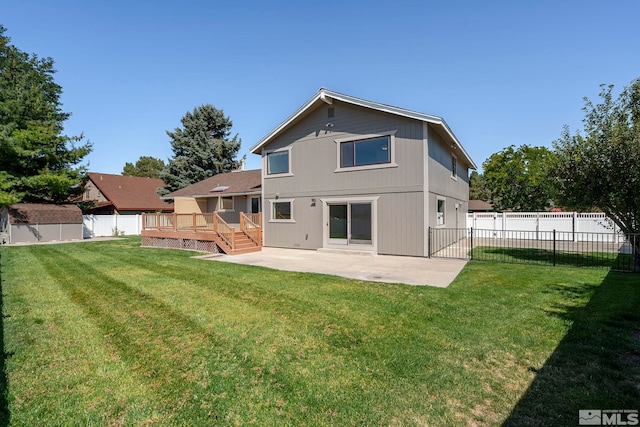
[113, 334]
[595, 259]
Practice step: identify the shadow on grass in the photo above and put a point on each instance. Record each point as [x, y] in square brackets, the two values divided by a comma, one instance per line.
[595, 366]
[538, 256]
[5, 415]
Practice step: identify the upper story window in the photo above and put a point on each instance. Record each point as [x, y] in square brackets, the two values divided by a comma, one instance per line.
[278, 162]
[367, 152]
[454, 167]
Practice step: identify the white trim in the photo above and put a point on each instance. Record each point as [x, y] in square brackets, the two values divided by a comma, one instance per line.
[265, 163]
[354, 246]
[324, 94]
[444, 211]
[219, 204]
[250, 205]
[272, 201]
[425, 189]
[355, 138]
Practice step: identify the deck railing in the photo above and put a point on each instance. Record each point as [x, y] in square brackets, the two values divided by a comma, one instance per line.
[250, 224]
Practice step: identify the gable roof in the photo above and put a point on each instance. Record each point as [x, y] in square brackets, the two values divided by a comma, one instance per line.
[327, 96]
[40, 213]
[130, 193]
[230, 183]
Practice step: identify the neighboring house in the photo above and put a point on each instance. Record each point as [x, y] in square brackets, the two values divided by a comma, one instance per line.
[346, 173]
[123, 195]
[480, 206]
[218, 213]
[228, 194]
[34, 222]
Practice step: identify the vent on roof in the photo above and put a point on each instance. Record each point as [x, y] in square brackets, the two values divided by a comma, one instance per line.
[220, 188]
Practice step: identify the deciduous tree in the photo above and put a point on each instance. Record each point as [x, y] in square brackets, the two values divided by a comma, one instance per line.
[600, 166]
[517, 178]
[38, 163]
[478, 189]
[202, 148]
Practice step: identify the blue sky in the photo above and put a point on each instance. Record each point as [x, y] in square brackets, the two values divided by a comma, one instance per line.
[499, 72]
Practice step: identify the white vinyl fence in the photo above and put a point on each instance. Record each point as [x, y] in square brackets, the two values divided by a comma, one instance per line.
[573, 225]
[111, 225]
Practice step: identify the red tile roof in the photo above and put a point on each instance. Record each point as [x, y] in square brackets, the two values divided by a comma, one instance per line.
[38, 213]
[237, 182]
[131, 193]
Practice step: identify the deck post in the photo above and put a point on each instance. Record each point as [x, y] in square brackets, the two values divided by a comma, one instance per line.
[215, 222]
[193, 222]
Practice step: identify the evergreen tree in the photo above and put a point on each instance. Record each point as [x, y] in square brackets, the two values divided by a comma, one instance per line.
[37, 162]
[146, 166]
[202, 148]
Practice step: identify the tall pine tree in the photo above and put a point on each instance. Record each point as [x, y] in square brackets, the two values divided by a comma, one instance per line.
[37, 162]
[202, 148]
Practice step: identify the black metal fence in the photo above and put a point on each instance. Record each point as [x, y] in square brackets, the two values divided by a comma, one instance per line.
[604, 250]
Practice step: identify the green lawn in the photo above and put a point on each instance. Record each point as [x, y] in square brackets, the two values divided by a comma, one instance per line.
[113, 334]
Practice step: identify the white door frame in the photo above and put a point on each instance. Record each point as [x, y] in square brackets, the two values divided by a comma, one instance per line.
[327, 243]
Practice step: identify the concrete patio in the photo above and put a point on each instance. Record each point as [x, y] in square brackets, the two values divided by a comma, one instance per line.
[378, 268]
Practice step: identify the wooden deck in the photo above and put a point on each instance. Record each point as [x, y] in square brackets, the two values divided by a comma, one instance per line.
[173, 230]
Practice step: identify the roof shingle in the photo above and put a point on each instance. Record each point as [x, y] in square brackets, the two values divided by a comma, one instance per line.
[237, 182]
[131, 193]
[39, 213]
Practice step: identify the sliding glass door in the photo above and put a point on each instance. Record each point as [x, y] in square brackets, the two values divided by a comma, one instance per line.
[350, 223]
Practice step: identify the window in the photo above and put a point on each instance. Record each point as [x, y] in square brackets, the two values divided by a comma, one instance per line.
[365, 152]
[440, 212]
[278, 162]
[282, 210]
[454, 167]
[226, 204]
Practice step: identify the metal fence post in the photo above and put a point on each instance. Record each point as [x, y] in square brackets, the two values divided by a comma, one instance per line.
[429, 242]
[471, 253]
[554, 247]
[634, 265]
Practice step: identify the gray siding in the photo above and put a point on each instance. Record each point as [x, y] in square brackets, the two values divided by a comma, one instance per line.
[304, 233]
[314, 160]
[314, 154]
[441, 184]
[401, 227]
[31, 233]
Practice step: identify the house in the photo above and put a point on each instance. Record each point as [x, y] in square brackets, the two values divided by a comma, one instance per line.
[229, 194]
[350, 174]
[480, 206]
[218, 213]
[36, 222]
[123, 195]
